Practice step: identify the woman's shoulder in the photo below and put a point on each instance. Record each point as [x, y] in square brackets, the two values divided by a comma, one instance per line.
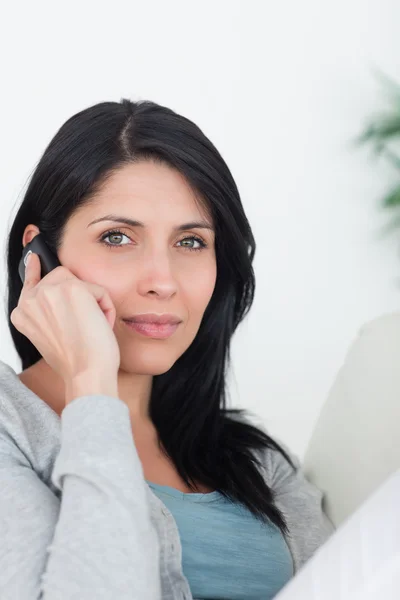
[16, 400]
[10, 397]
[16, 396]
[300, 501]
[275, 465]
[286, 477]
[28, 427]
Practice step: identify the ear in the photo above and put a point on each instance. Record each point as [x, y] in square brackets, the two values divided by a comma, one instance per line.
[30, 232]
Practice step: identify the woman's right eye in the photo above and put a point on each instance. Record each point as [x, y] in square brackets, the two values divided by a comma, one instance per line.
[113, 233]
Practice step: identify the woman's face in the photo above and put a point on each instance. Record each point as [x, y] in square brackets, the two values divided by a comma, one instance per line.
[154, 268]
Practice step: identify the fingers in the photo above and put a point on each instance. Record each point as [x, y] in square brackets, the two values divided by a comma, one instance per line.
[104, 301]
[60, 274]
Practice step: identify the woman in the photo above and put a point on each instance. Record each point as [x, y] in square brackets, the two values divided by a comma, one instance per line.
[123, 474]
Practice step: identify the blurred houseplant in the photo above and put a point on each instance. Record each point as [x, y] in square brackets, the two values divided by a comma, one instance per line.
[383, 133]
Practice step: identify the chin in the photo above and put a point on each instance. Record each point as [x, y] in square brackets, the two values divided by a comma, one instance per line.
[151, 365]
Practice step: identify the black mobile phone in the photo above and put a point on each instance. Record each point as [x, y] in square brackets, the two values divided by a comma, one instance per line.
[48, 260]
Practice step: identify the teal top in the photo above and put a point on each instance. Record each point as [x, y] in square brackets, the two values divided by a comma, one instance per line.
[226, 551]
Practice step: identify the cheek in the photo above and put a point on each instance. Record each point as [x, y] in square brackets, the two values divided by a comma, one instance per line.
[198, 290]
[115, 286]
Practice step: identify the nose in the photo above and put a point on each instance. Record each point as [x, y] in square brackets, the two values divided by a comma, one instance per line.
[156, 276]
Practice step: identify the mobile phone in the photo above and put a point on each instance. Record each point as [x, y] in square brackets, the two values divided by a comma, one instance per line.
[48, 260]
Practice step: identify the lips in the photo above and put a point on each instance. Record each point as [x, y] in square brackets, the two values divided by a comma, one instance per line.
[165, 319]
[159, 331]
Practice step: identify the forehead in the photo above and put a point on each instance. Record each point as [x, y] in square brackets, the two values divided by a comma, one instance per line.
[150, 189]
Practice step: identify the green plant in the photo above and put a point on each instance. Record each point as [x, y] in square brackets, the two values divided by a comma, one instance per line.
[383, 132]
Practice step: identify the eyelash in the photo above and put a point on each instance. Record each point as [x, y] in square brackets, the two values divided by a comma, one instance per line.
[117, 231]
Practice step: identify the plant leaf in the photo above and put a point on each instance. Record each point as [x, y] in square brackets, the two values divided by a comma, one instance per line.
[392, 87]
[393, 158]
[392, 200]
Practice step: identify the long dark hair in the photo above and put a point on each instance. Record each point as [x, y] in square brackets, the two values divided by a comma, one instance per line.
[206, 441]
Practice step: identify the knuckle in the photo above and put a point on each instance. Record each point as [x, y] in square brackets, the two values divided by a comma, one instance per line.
[56, 272]
[16, 317]
[71, 286]
[26, 300]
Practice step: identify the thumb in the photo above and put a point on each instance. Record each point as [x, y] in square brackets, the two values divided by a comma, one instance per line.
[32, 271]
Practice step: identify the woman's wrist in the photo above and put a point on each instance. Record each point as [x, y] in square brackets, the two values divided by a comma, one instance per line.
[90, 383]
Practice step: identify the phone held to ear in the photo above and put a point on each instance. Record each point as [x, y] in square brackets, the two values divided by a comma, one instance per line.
[48, 260]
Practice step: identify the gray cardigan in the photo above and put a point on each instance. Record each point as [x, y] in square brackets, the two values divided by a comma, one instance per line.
[79, 521]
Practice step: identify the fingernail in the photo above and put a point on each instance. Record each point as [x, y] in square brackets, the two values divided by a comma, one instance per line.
[27, 258]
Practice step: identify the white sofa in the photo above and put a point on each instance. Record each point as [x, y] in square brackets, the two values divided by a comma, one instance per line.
[355, 445]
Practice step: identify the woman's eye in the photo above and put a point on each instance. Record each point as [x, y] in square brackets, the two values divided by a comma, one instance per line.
[115, 241]
[196, 240]
[113, 234]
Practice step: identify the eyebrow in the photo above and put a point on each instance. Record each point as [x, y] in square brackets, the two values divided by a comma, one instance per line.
[133, 223]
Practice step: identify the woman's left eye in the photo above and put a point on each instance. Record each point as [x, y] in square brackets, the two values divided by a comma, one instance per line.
[116, 233]
[196, 239]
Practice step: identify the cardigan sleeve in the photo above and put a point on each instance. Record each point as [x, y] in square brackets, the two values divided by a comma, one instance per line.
[95, 538]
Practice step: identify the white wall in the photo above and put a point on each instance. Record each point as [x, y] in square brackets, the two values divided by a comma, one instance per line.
[281, 89]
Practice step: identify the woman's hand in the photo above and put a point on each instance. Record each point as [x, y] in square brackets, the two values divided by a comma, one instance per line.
[70, 322]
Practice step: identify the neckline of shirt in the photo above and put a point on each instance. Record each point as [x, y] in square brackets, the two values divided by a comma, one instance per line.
[194, 496]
